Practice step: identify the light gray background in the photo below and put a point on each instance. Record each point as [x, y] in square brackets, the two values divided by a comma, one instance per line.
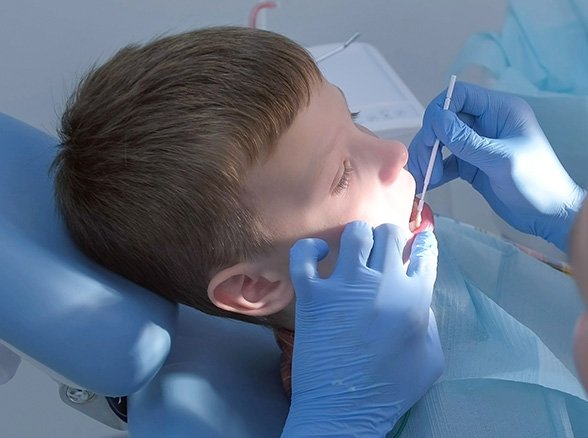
[46, 45]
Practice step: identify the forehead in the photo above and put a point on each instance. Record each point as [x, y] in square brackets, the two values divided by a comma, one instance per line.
[311, 133]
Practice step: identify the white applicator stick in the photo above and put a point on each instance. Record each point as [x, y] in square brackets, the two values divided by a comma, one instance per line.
[418, 218]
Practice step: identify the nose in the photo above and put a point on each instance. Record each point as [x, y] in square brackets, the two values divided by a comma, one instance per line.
[394, 156]
[389, 155]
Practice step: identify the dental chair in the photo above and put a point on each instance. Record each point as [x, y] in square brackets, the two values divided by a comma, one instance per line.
[108, 341]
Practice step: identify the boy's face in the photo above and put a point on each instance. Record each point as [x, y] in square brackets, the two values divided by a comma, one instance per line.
[579, 261]
[326, 172]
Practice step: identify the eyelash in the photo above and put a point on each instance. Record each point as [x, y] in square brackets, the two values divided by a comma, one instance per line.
[354, 116]
[343, 183]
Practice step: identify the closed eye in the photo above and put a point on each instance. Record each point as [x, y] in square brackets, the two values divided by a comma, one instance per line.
[343, 183]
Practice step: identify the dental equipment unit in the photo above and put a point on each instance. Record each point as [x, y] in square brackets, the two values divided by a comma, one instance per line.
[383, 102]
[338, 49]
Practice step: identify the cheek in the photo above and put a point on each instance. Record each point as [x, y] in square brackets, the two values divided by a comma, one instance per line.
[581, 349]
[332, 237]
[391, 203]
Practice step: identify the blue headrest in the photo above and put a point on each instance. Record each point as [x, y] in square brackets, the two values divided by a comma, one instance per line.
[221, 380]
[86, 324]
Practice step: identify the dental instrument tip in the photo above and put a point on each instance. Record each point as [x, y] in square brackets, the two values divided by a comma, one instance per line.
[351, 39]
[414, 224]
[429, 171]
[339, 48]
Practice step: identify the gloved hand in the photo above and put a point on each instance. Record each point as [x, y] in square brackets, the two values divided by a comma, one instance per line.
[499, 148]
[366, 346]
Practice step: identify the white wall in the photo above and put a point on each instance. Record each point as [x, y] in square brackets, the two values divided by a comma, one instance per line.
[420, 38]
[45, 45]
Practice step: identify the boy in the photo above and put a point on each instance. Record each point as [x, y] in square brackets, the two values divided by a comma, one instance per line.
[192, 164]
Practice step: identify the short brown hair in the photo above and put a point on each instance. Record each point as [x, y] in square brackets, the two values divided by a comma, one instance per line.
[154, 147]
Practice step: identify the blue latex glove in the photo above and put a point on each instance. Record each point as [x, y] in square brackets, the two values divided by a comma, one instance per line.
[499, 148]
[366, 345]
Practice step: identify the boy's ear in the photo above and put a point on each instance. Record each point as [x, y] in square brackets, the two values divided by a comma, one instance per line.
[247, 289]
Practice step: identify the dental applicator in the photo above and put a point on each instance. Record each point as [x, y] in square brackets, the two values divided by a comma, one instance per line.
[418, 219]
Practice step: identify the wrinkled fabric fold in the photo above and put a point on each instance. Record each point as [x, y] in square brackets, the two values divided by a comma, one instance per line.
[506, 322]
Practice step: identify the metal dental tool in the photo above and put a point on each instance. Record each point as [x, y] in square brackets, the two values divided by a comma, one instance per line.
[338, 49]
[418, 218]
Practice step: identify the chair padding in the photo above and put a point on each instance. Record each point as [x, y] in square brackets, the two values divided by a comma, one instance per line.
[221, 380]
[84, 323]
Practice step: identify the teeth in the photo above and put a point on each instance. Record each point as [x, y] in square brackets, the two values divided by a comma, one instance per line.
[412, 226]
[415, 222]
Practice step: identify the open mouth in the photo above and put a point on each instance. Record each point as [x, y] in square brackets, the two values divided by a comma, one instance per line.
[427, 221]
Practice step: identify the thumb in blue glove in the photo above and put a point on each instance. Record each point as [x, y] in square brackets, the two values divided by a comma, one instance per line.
[499, 148]
[366, 346]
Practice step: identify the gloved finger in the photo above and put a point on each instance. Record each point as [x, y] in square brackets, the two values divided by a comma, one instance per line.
[454, 168]
[434, 355]
[463, 141]
[439, 100]
[470, 98]
[387, 250]
[418, 162]
[449, 172]
[423, 260]
[419, 151]
[356, 244]
[304, 257]
[426, 136]
[468, 119]
[496, 114]
[438, 169]
[470, 101]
